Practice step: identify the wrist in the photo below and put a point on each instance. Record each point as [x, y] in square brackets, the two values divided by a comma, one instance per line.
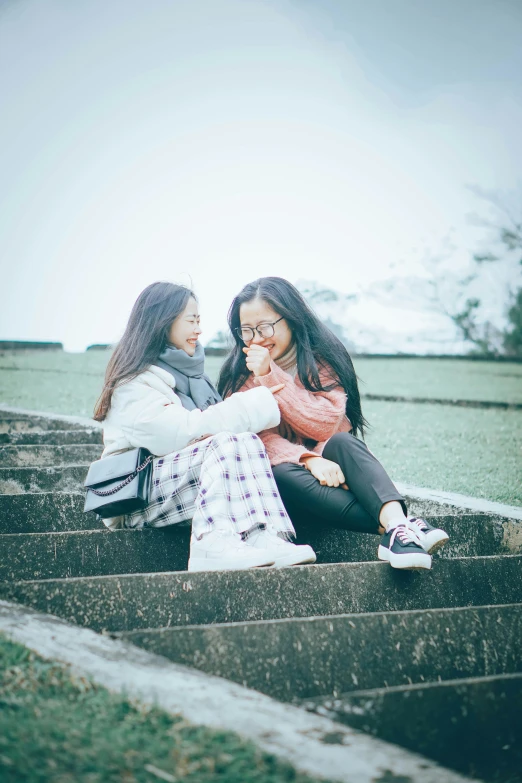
[263, 373]
[308, 458]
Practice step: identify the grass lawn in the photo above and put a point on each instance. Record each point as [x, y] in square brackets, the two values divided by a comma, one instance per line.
[441, 379]
[469, 450]
[57, 727]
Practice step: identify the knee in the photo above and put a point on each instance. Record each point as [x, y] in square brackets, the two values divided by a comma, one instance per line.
[345, 439]
[232, 439]
[345, 443]
[286, 473]
[221, 439]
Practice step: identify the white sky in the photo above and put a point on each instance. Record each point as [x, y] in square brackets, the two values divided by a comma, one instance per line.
[229, 139]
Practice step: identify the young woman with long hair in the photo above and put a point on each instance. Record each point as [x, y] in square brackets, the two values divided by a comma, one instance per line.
[324, 472]
[210, 465]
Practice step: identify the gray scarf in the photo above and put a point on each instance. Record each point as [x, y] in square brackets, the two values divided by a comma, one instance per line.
[193, 387]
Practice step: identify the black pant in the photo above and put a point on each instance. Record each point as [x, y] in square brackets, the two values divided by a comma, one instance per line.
[370, 487]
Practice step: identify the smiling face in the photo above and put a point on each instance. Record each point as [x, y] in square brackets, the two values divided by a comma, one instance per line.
[185, 330]
[259, 312]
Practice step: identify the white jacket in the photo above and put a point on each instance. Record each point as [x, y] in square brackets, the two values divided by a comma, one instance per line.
[147, 412]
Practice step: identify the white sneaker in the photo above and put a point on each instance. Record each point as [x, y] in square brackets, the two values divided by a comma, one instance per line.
[221, 550]
[284, 553]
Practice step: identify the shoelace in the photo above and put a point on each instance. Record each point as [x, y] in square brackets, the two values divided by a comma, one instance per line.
[420, 523]
[405, 536]
[227, 534]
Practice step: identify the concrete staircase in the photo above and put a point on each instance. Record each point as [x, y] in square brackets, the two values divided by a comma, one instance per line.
[430, 661]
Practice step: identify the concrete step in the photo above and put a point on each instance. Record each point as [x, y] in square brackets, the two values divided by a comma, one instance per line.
[51, 437]
[42, 512]
[132, 601]
[301, 658]
[470, 535]
[507, 534]
[102, 549]
[15, 481]
[89, 553]
[472, 725]
[48, 456]
[19, 423]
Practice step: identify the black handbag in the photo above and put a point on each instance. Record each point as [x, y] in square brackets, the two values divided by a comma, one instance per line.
[119, 484]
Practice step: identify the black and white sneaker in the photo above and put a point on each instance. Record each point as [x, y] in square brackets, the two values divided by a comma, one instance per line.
[401, 547]
[431, 538]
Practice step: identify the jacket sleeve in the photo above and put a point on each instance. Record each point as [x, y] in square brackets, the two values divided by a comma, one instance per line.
[314, 415]
[149, 420]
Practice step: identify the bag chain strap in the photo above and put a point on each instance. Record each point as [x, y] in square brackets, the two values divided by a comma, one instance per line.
[104, 493]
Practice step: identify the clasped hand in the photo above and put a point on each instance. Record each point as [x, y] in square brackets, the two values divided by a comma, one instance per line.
[328, 473]
[257, 359]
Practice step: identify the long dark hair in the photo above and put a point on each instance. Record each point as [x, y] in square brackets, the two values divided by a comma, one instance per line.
[316, 346]
[144, 338]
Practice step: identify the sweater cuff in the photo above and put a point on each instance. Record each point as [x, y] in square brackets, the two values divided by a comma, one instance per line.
[293, 453]
[306, 454]
[275, 376]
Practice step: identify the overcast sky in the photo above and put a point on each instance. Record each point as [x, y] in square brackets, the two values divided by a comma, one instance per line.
[223, 140]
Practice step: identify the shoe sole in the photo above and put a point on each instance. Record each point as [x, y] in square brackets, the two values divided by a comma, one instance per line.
[411, 562]
[290, 560]
[202, 564]
[437, 545]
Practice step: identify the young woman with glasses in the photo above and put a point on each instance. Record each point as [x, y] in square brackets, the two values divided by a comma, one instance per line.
[324, 472]
[210, 465]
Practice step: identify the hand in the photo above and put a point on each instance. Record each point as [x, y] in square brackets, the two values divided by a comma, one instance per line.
[328, 473]
[257, 359]
[275, 389]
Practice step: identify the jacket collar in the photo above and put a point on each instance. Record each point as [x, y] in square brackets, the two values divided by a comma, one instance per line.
[163, 375]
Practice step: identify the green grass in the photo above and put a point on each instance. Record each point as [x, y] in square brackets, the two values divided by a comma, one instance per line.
[53, 381]
[58, 382]
[57, 727]
[468, 450]
[441, 379]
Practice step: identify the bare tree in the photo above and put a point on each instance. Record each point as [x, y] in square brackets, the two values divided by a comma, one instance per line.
[463, 296]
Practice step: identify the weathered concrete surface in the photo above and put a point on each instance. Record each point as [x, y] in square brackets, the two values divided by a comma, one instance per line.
[14, 481]
[70, 479]
[65, 421]
[46, 542]
[48, 456]
[90, 552]
[42, 512]
[51, 437]
[313, 744]
[25, 424]
[470, 535]
[299, 658]
[477, 730]
[120, 603]
[422, 500]
[95, 551]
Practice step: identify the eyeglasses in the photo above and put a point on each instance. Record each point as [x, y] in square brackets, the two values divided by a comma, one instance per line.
[246, 333]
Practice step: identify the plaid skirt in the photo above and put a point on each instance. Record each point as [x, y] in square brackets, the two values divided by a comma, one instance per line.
[224, 481]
